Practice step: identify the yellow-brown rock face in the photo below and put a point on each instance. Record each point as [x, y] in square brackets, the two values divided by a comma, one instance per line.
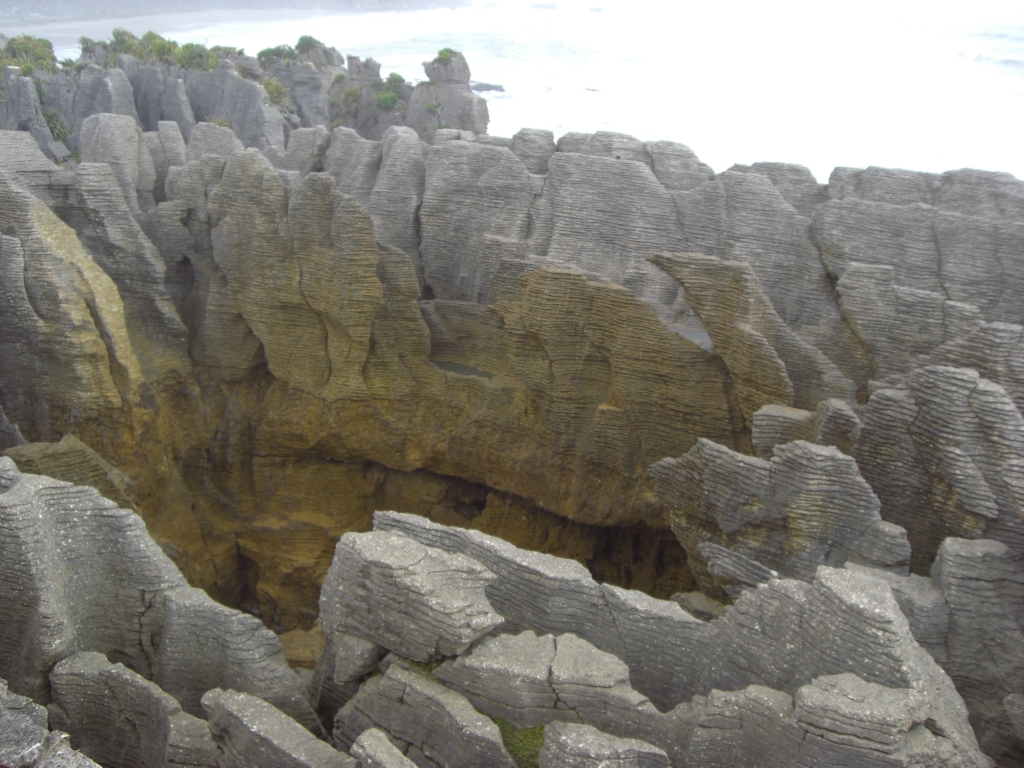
[325, 388]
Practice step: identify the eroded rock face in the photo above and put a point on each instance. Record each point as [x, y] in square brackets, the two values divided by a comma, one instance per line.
[119, 718]
[806, 507]
[420, 602]
[249, 731]
[91, 579]
[433, 725]
[944, 453]
[825, 672]
[568, 745]
[257, 349]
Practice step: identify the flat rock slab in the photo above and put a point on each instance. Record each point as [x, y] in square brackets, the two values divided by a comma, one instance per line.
[420, 602]
[251, 732]
[570, 745]
[434, 725]
[373, 749]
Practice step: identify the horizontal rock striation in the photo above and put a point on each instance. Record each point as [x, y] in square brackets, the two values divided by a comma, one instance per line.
[256, 323]
[79, 574]
[796, 673]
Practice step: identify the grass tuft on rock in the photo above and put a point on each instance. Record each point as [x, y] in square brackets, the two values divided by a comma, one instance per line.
[445, 54]
[269, 56]
[276, 91]
[153, 47]
[523, 744]
[29, 53]
[386, 99]
[307, 43]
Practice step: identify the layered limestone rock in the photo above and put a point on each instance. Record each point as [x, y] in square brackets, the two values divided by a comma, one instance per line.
[25, 740]
[795, 673]
[950, 251]
[432, 725]
[966, 615]
[249, 731]
[97, 582]
[568, 745]
[805, 507]
[373, 750]
[767, 362]
[119, 718]
[944, 451]
[420, 602]
[257, 349]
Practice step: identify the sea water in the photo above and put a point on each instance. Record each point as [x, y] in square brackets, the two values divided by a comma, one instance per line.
[925, 86]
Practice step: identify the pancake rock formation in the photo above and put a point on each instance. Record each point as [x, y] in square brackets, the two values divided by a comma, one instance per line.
[706, 468]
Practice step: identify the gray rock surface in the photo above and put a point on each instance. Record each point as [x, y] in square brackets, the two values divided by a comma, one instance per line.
[122, 597]
[397, 195]
[119, 718]
[100, 91]
[118, 141]
[354, 162]
[305, 153]
[570, 745]
[249, 731]
[534, 147]
[794, 182]
[25, 741]
[421, 602]
[768, 362]
[759, 642]
[834, 422]
[432, 725]
[201, 644]
[223, 94]
[373, 749]
[210, 139]
[805, 507]
[944, 451]
[475, 215]
[965, 258]
[982, 582]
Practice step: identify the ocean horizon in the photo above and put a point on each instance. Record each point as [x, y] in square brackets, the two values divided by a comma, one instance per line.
[880, 84]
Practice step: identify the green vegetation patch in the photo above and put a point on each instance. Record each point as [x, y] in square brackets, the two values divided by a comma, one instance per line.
[307, 43]
[445, 54]
[269, 56]
[29, 53]
[386, 99]
[223, 122]
[340, 77]
[523, 744]
[152, 46]
[432, 107]
[351, 97]
[53, 122]
[276, 91]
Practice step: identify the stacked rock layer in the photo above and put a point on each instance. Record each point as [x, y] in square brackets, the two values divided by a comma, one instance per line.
[743, 389]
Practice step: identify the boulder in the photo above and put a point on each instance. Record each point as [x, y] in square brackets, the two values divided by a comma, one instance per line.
[420, 602]
[119, 718]
[806, 507]
[373, 749]
[432, 725]
[571, 745]
[249, 731]
[944, 451]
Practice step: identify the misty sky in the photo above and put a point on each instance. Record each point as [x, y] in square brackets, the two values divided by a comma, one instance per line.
[928, 86]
